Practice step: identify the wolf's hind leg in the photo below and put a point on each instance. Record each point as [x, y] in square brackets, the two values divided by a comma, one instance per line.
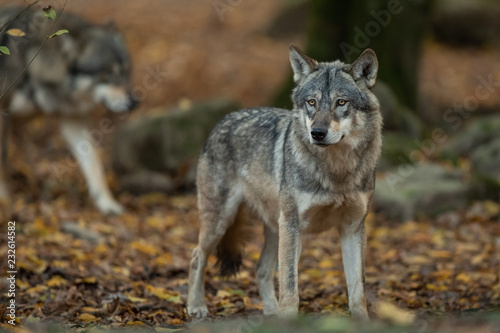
[217, 213]
[265, 271]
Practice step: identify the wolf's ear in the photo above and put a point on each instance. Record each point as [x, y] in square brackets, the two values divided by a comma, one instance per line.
[302, 65]
[365, 68]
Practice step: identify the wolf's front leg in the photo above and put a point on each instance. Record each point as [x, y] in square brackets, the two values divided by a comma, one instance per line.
[87, 156]
[289, 254]
[353, 241]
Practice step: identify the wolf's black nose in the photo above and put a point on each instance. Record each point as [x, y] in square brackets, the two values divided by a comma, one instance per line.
[133, 102]
[318, 134]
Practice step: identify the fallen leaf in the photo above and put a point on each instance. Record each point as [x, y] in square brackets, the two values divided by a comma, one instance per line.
[393, 313]
[87, 317]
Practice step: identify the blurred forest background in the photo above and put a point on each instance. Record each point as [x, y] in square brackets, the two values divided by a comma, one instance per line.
[434, 229]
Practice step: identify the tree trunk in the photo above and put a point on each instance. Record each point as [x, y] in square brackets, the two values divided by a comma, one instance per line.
[393, 29]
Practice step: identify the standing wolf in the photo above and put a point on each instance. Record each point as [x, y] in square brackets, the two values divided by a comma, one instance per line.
[304, 170]
[68, 77]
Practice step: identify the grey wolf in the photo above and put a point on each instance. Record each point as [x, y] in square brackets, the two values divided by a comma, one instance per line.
[71, 75]
[303, 170]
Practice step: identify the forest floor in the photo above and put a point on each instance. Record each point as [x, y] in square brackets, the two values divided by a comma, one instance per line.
[79, 269]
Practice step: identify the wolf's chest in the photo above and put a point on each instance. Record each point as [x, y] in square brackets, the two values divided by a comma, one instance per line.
[321, 212]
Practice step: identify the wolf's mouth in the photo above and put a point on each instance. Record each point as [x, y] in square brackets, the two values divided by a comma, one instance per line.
[328, 144]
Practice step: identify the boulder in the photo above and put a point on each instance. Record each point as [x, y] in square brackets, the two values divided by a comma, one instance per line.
[486, 162]
[396, 148]
[158, 152]
[397, 117]
[479, 132]
[425, 189]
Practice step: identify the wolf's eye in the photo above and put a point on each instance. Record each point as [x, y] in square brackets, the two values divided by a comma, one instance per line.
[341, 102]
[311, 102]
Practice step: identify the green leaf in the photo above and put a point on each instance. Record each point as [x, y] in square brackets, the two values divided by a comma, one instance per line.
[49, 12]
[5, 50]
[59, 33]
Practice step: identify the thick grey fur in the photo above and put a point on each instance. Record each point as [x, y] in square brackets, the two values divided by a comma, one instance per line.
[270, 160]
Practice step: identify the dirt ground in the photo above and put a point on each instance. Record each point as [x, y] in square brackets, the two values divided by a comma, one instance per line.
[131, 270]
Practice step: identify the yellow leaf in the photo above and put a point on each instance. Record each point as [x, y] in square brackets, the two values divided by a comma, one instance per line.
[416, 260]
[222, 293]
[492, 208]
[59, 264]
[442, 275]
[87, 280]
[163, 260]
[144, 247]
[21, 284]
[391, 312]
[176, 321]
[137, 299]
[156, 222]
[16, 32]
[326, 264]
[56, 281]
[163, 293]
[391, 254]
[87, 317]
[255, 255]
[463, 277]
[435, 287]
[135, 324]
[37, 289]
[33, 263]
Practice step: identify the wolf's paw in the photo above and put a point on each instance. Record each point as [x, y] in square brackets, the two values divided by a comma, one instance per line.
[109, 206]
[197, 312]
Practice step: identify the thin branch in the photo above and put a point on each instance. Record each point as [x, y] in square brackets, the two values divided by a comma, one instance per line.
[36, 53]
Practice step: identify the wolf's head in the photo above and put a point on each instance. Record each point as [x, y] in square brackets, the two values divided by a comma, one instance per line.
[103, 66]
[335, 99]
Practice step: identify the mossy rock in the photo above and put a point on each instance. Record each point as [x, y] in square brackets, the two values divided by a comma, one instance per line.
[396, 148]
[158, 152]
[396, 116]
[425, 189]
[486, 167]
[479, 132]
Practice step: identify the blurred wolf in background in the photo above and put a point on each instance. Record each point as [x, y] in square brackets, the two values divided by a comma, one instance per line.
[71, 75]
[304, 170]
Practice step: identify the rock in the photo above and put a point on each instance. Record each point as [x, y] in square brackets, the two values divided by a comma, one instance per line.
[389, 104]
[158, 152]
[396, 148]
[486, 161]
[397, 117]
[479, 132]
[80, 232]
[427, 189]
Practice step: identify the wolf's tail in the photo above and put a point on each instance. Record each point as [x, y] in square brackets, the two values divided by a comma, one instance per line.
[230, 248]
